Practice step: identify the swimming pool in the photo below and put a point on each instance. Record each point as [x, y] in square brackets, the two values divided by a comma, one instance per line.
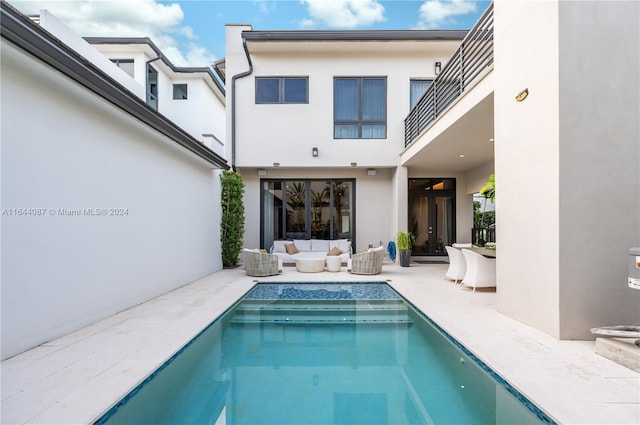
[323, 353]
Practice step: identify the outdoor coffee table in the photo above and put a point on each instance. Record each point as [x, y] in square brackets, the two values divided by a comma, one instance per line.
[310, 265]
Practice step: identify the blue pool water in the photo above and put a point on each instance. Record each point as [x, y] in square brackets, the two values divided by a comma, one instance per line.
[329, 353]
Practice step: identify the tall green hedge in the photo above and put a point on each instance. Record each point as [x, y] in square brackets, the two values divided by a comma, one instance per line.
[232, 226]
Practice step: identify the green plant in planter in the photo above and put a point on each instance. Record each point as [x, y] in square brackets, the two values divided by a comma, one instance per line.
[403, 244]
[232, 224]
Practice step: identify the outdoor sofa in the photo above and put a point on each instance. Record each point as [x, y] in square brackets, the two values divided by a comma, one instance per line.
[290, 250]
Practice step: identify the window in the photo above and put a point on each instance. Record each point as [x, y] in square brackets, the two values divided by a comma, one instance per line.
[124, 64]
[416, 90]
[360, 108]
[307, 209]
[179, 91]
[152, 87]
[282, 90]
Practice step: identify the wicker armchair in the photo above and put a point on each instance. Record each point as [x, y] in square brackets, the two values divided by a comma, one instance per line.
[367, 262]
[260, 264]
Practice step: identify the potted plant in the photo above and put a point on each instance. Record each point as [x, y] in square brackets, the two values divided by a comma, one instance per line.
[403, 243]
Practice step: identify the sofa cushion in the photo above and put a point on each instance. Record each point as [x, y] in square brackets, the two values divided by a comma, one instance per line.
[291, 248]
[335, 251]
[278, 246]
[319, 245]
[303, 245]
[334, 242]
[344, 246]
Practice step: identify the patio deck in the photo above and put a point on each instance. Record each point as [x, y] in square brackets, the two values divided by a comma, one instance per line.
[75, 378]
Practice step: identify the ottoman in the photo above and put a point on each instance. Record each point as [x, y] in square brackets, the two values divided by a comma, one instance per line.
[333, 263]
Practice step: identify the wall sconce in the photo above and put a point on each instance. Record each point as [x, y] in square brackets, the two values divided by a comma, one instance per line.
[354, 164]
[522, 95]
[262, 173]
[314, 152]
[276, 164]
[438, 67]
[371, 172]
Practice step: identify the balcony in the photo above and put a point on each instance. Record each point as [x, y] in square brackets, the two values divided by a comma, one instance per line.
[472, 61]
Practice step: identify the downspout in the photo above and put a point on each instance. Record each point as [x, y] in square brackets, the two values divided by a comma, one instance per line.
[233, 102]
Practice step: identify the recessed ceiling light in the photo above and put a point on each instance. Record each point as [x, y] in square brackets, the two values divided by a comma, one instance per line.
[461, 156]
[491, 140]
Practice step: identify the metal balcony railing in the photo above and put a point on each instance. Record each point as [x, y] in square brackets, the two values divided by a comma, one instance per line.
[468, 64]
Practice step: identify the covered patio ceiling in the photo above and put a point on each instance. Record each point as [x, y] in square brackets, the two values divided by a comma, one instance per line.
[470, 135]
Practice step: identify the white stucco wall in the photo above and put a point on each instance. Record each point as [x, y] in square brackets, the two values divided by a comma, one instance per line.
[599, 163]
[527, 161]
[64, 148]
[567, 162]
[286, 133]
[201, 113]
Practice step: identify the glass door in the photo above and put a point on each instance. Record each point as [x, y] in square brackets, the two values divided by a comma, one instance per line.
[431, 215]
[306, 209]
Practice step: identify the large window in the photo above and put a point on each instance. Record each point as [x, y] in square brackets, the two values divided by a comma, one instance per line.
[360, 108]
[307, 209]
[416, 89]
[282, 90]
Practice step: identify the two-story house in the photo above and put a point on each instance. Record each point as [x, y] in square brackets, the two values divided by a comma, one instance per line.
[316, 127]
[333, 139]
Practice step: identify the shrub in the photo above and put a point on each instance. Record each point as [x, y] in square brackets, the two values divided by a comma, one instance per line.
[232, 225]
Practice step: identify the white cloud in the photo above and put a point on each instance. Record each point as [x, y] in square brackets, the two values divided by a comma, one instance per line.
[434, 13]
[129, 18]
[343, 13]
[265, 6]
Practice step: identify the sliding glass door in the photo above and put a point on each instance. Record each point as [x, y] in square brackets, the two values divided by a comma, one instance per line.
[306, 209]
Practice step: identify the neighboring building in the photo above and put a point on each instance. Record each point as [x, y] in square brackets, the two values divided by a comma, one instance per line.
[193, 98]
[319, 125]
[106, 203]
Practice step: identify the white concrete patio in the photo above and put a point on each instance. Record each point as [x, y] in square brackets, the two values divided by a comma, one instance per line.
[76, 378]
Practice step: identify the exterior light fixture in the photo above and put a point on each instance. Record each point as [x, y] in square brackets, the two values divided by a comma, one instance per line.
[262, 172]
[354, 164]
[522, 95]
[314, 152]
[438, 67]
[371, 172]
[276, 164]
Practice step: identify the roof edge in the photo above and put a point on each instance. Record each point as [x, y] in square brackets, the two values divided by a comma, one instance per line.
[39, 43]
[355, 35]
[154, 47]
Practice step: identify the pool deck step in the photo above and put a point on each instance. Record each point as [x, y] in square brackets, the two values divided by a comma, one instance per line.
[322, 313]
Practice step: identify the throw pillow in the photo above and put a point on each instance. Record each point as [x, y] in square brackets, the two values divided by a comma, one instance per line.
[291, 249]
[333, 252]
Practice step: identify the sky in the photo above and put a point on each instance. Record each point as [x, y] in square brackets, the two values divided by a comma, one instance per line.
[191, 32]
